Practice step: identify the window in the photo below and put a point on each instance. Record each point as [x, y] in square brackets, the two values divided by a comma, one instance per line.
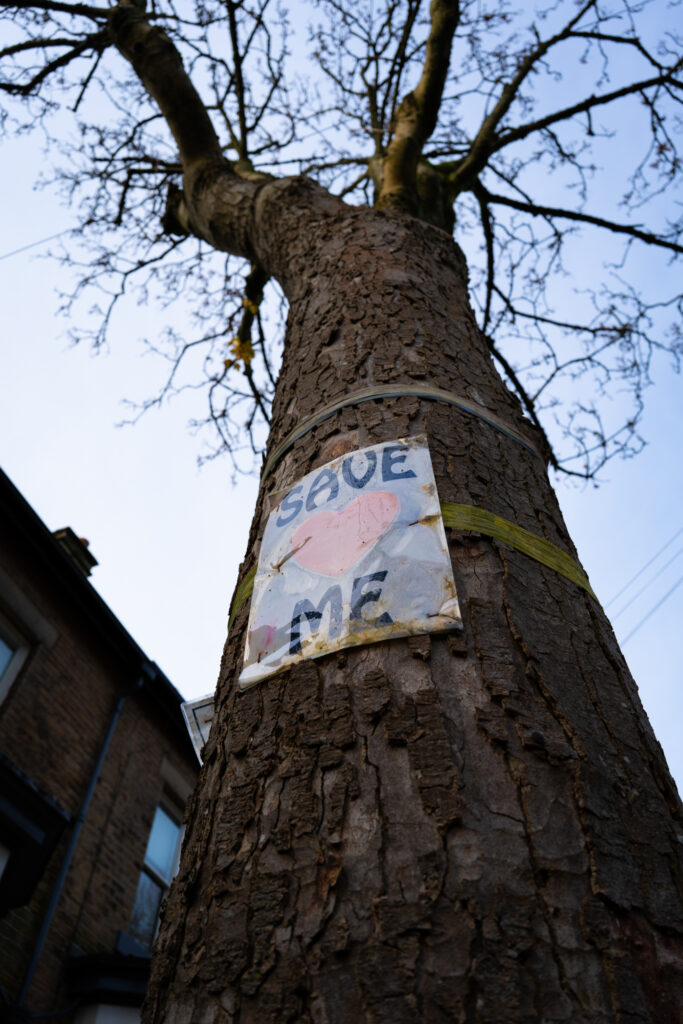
[161, 864]
[6, 654]
[4, 857]
[13, 651]
[21, 628]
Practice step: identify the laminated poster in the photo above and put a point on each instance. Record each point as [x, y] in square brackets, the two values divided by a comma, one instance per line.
[353, 553]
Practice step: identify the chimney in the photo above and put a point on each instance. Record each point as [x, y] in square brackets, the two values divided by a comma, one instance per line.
[76, 548]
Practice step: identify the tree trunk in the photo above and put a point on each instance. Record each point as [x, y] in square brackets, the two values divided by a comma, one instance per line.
[475, 828]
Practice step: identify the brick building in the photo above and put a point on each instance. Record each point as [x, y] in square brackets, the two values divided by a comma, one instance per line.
[95, 769]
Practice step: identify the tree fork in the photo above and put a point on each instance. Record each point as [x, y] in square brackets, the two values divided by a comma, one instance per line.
[434, 829]
[417, 113]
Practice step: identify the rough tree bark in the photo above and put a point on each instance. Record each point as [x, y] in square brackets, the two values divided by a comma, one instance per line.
[476, 828]
[433, 830]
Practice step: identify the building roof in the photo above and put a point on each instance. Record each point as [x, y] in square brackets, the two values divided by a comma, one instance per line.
[20, 521]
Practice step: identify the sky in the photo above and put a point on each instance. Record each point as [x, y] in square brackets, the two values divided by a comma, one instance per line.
[169, 536]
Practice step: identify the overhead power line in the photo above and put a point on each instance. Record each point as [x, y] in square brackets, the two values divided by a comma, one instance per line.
[646, 585]
[646, 566]
[652, 611]
[32, 245]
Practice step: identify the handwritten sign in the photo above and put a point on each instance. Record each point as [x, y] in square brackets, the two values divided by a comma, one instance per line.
[353, 553]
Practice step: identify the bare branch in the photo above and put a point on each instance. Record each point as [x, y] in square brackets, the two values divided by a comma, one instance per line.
[417, 113]
[477, 81]
[527, 401]
[93, 42]
[239, 82]
[483, 144]
[523, 131]
[57, 6]
[537, 210]
[160, 69]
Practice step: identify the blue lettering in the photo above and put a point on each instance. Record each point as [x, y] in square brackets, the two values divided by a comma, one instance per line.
[325, 480]
[293, 507]
[391, 455]
[359, 599]
[313, 615]
[355, 481]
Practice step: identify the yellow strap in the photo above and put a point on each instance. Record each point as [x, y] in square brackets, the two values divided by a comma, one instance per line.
[468, 517]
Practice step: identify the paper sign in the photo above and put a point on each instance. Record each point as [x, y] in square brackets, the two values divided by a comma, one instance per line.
[353, 553]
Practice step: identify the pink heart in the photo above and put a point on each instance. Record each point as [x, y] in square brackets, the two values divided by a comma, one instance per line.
[331, 542]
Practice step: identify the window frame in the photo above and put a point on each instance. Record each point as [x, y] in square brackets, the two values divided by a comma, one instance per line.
[24, 626]
[21, 648]
[171, 809]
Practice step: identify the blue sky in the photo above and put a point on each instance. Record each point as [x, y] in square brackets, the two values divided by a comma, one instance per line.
[169, 537]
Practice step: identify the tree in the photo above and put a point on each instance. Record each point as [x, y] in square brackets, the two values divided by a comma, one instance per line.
[471, 828]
